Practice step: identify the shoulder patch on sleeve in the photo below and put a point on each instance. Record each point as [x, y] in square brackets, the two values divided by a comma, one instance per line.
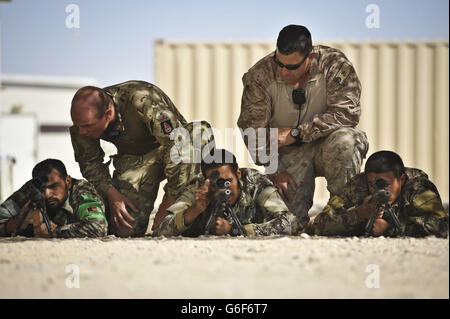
[343, 73]
[166, 126]
[93, 209]
[90, 208]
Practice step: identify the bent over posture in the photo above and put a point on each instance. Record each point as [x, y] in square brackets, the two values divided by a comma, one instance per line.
[138, 118]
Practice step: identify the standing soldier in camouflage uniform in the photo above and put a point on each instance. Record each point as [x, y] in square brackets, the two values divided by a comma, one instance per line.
[311, 94]
[138, 118]
[414, 200]
[254, 200]
[74, 207]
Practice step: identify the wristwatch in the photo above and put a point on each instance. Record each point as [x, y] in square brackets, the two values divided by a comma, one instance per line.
[295, 133]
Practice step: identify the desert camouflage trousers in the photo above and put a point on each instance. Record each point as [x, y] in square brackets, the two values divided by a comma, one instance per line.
[337, 157]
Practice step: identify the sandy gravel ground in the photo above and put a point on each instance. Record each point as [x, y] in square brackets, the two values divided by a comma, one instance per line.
[278, 267]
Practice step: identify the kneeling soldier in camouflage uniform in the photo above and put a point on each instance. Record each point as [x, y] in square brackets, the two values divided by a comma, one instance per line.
[311, 95]
[414, 200]
[138, 118]
[254, 200]
[74, 207]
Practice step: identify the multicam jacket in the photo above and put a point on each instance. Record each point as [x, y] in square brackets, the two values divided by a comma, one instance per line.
[82, 214]
[419, 209]
[145, 118]
[259, 208]
[332, 93]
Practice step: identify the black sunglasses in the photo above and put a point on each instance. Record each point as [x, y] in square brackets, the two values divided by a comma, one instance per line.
[289, 66]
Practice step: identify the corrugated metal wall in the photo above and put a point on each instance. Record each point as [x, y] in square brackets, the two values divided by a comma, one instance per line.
[405, 99]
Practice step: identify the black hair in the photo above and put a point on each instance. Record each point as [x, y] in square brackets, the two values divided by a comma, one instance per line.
[45, 167]
[385, 161]
[93, 97]
[294, 38]
[217, 158]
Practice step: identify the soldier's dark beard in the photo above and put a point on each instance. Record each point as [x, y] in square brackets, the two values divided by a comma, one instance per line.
[53, 204]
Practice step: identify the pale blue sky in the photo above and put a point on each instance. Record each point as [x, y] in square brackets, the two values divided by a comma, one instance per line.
[115, 39]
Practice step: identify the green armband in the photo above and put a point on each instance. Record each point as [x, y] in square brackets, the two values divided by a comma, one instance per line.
[90, 208]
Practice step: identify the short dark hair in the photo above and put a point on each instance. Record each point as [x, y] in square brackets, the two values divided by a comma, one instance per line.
[45, 167]
[217, 158]
[294, 38]
[385, 161]
[93, 97]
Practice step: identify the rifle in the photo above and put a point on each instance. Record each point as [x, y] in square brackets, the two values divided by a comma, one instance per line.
[221, 205]
[37, 201]
[381, 197]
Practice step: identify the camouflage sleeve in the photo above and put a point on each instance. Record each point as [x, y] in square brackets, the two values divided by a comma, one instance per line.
[90, 156]
[343, 90]
[276, 215]
[255, 113]
[195, 139]
[161, 117]
[425, 214]
[337, 220]
[89, 210]
[173, 223]
[12, 206]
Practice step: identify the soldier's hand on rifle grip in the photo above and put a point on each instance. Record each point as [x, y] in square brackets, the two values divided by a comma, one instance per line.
[366, 209]
[221, 226]
[379, 227]
[39, 227]
[201, 202]
[202, 197]
[13, 222]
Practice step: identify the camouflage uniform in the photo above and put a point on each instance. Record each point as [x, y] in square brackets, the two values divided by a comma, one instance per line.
[418, 207]
[259, 207]
[82, 214]
[146, 117]
[332, 147]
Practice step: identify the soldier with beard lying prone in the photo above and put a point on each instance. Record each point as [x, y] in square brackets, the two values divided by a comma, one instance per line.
[73, 206]
[253, 200]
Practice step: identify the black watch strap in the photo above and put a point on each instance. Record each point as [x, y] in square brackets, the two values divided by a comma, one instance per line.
[299, 135]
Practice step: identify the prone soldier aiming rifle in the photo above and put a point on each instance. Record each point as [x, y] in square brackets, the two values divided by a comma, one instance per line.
[381, 198]
[221, 205]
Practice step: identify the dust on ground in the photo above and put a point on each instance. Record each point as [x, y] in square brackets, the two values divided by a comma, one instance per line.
[218, 267]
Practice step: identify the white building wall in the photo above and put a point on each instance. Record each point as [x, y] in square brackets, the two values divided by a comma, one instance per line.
[48, 100]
